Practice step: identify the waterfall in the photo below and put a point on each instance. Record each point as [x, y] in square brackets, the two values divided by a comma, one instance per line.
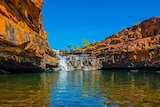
[69, 62]
[62, 61]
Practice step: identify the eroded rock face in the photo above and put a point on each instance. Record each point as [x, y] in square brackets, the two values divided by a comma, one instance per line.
[77, 60]
[23, 42]
[134, 47]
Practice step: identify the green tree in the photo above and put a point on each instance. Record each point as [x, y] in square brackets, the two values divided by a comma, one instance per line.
[70, 46]
[85, 42]
[76, 47]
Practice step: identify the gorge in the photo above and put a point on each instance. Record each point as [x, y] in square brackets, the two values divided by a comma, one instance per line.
[101, 74]
[136, 47]
[24, 46]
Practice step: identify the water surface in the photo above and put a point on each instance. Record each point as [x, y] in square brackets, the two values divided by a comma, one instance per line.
[81, 88]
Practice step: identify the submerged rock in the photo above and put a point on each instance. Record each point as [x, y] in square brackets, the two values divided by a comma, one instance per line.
[134, 47]
[23, 42]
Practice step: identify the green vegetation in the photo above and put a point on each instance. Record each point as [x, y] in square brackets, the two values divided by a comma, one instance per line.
[70, 46]
[77, 47]
[85, 42]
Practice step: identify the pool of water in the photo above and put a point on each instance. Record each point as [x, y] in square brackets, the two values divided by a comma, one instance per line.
[81, 89]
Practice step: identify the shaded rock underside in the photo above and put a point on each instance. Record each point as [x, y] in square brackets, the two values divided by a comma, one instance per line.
[23, 42]
[134, 47]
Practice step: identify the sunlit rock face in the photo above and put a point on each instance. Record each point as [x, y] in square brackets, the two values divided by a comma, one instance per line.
[134, 47]
[23, 42]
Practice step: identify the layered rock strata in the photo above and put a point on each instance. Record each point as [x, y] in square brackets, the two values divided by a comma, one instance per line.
[78, 60]
[134, 47]
[23, 42]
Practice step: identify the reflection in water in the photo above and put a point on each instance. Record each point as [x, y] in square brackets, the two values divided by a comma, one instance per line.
[81, 88]
[21, 90]
[134, 89]
[106, 88]
[76, 88]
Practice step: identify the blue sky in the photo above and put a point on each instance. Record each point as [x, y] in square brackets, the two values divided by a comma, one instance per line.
[70, 21]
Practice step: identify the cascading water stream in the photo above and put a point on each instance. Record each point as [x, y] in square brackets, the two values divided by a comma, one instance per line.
[77, 62]
[62, 61]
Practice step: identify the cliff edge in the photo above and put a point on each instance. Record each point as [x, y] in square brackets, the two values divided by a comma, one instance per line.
[134, 47]
[23, 42]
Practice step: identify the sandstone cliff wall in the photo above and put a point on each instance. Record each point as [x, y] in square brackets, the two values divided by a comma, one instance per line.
[134, 47]
[23, 42]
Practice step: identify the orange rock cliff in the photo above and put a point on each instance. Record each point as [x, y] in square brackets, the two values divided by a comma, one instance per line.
[23, 42]
[134, 47]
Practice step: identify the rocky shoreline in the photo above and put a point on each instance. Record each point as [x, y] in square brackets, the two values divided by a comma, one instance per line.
[114, 61]
[136, 47]
[23, 42]
[24, 45]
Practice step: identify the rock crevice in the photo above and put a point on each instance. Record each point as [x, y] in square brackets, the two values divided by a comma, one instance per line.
[134, 47]
[23, 42]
